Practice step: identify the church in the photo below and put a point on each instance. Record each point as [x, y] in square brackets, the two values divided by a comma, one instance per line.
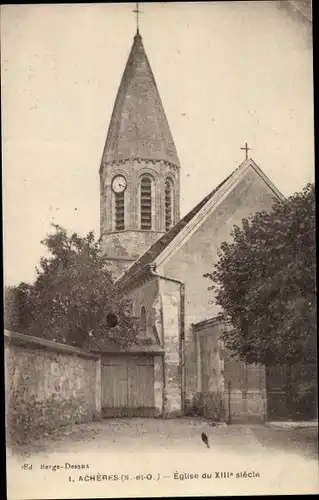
[179, 365]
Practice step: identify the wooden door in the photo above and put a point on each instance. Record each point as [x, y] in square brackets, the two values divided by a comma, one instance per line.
[114, 386]
[277, 385]
[141, 386]
[128, 386]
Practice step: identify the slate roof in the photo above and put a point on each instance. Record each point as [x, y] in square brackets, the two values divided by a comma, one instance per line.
[156, 249]
[138, 126]
[139, 347]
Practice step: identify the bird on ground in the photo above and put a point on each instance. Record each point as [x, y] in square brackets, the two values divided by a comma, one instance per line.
[205, 439]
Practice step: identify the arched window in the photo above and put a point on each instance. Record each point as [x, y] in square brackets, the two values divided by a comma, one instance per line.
[119, 211]
[169, 205]
[143, 322]
[146, 202]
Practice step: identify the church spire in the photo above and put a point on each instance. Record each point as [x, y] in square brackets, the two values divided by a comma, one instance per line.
[138, 126]
[140, 171]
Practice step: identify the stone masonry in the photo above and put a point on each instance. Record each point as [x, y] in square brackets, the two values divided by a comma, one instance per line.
[49, 384]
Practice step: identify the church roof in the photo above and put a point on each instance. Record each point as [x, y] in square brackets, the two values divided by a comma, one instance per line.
[138, 126]
[156, 249]
[159, 246]
[140, 346]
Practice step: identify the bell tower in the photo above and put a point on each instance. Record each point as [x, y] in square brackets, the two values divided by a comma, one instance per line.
[139, 172]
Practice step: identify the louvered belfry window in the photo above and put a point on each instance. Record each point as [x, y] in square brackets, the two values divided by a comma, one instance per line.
[146, 203]
[119, 211]
[168, 205]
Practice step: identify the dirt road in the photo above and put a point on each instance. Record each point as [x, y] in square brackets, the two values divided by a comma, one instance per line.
[142, 457]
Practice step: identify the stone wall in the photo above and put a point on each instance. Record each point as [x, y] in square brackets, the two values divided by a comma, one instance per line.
[147, 296]
[124, 247]
[227, 389]
[170, 293]
[48, 385]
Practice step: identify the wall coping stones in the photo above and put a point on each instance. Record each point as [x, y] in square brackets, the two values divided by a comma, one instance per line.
[206, 323]
[151, 349]
[36, 342]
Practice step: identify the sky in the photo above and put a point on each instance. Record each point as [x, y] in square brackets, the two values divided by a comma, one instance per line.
[227, 72]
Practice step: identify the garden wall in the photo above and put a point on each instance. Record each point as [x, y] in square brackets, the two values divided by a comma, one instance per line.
[48, 385]
[228, 389]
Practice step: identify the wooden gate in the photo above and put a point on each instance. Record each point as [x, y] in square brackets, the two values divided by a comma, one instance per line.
[128, 386]
[278, 405]
[291, 392]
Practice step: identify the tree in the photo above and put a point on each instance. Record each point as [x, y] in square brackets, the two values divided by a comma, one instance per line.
[11, 310]
[264, 282]
[74, 296]
[17, 307]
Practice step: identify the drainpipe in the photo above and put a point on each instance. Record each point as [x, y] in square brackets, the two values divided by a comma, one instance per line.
[182, 328]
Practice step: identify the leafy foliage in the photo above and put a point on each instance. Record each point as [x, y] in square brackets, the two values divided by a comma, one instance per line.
[17, 307]
[265, 284]
[73, 297]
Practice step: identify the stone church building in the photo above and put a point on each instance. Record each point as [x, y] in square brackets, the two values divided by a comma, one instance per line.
[179, 364]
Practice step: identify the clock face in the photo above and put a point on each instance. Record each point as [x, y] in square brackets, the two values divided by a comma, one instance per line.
[119, 184]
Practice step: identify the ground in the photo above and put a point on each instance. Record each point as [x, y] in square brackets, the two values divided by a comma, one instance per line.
[278, 460]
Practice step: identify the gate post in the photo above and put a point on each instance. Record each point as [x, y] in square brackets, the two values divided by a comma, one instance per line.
[289, 392]
[229, 402]
[98, 388]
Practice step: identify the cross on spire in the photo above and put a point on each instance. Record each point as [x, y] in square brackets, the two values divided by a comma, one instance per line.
[137, 11]
[246, 149]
